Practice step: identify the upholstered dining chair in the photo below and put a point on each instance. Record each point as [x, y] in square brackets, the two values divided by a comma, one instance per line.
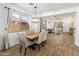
[40, 40]
[45, 36]
[24, 42]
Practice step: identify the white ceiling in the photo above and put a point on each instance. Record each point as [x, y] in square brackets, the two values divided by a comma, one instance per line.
[44, 7]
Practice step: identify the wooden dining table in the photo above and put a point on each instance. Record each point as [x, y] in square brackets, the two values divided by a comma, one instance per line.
[33, 35]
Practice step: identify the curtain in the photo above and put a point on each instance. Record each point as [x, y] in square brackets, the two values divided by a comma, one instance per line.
[4, 33]
[8, 20]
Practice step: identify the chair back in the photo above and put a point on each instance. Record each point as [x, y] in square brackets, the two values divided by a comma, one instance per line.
[22, 39]
[24, 42]
[45, 35]
[41, 36]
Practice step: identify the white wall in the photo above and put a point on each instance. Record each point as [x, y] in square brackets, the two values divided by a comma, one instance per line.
[67, 22]
[77, 29]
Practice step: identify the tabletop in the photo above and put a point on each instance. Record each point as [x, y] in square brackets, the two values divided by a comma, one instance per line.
[33, 35]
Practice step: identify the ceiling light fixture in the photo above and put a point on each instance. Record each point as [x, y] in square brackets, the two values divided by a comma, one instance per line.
[31, 4]
[35, 7]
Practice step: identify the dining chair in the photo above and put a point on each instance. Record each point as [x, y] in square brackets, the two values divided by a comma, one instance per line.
[40, 40]
[45, 36]
[24, 42]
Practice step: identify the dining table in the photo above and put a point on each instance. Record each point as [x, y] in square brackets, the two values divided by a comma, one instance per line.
[33, 36]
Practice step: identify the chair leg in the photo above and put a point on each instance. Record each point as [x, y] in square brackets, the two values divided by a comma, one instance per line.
[20, 48]
[45, 41]
[25, 52]
[39, 46]
[42, 44]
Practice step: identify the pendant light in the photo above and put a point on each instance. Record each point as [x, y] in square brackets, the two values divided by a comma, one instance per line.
[35, 7]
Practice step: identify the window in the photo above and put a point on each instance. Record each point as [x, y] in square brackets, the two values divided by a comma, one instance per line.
[15, 17]
[24, 18]
[18, 16]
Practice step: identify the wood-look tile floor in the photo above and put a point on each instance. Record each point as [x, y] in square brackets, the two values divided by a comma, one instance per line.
[57, 45]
